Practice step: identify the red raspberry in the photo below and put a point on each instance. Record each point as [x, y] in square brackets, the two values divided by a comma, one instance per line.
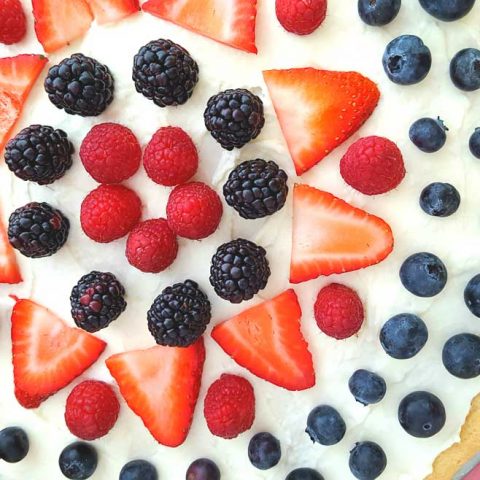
[92, 409]
[373, 165]
[338, 311]
[109, 212]
[13, 24]
[171, 157]
[194, 210]
[110, 153]
[152, 246]
[229, 407]
[301, 16]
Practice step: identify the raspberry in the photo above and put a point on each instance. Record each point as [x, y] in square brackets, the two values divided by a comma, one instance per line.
[373, 165]
[229, 407]
[92, 409]
[171, 157]
[152, 246]
[301, 16]
[109, 212]
[338, 311]
[110, 153]
[194, 210]
[13, 24]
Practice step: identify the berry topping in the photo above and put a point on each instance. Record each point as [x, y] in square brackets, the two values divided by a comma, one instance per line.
[304, 474]
[440, 199]
[464, 69]
[109, 11]
[300, 17]
[110, 153]
[9, 270]
[203, 469]
[378, 13]
[367, 387]
[474, 143]
[461, 355]
[14, 444]
[264, 451]
[13, 24]
[229, 407]
[78, 461]
[367, 461]
[471, 295]
[447, 10]
[170, 157]
[138, 470]
[428, 134]
[109, 212]
[325, 425]
[92, 410]
[256, 189]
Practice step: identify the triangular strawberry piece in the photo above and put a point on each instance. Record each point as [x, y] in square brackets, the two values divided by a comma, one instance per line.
[161, 385]
[318, 109]
[109, 11]
[267, 341]
[229, 22]
[332, 236]
[47, 354]
[9, 271]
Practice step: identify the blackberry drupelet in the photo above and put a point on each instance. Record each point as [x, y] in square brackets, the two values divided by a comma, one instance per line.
[40, 154]
[165, 73]
[97, 300]
[234, 117]
[80, 85]
[239, 270]
[179, 315]
[256, 189]
[38, 230]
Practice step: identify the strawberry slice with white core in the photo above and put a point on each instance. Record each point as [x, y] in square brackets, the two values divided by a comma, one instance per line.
[110, 11]
[9, 271]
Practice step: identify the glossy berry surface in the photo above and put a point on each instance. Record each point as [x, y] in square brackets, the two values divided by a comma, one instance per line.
[203, 469]
[474, 143]
[325, 425]
[471, 295]
[461, 355]
[378, 13]
[78, 461]
[367, 461]
[428, 134]
[264, 451]
[304, 474]
[138, 470]
[440, 199]
[447, 10]
[465, 69]
[300, 17]
[367, 387]
[13, 23]
[14, 444]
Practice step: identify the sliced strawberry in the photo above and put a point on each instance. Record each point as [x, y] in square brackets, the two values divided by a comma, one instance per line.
[318, 109]
[107, 11]
[331, 236]
[267, 340]
[9, 271]
[60, 22]
[161, 385]
[230, 22]
[47, 354]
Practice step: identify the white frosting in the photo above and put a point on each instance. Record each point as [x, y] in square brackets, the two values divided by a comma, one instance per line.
[342, 43]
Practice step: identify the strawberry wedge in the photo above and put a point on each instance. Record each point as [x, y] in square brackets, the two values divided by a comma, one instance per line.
[110, 11]
[9, 271]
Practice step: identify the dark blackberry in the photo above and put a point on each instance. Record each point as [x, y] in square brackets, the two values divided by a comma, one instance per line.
[165, 73]
[38, 230]
[179, 315]
[80, 85]
[234, 117]
[97, 300]
[239, 270]
[39, 154]
[256, 189]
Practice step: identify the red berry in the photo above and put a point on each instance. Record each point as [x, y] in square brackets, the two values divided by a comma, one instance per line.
[109, 212]
[373, 165]
[13, 24]
[152, 246]
[301, 16]
[339, 311]
[110, 153]
[171, 157]
[92, 409]
[229, 407]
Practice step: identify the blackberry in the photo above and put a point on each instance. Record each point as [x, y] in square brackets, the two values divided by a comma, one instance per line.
[234, 117]
[40, 154]
[38, 230]
[97, 300]
[179, 315]
[165, 73]
[239, 270]
[256, 189]
[80, 85]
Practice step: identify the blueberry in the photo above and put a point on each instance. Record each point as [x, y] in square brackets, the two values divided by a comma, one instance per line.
[474, 143]
[472, 295]
[264, 451]
[139, 470]
[203, 469]
[367, 387]
[447, 10]
[378, 13]
[421, 414]
[423, 274]
[407, 60]
[367, 461]
[325, 425]
[440, 199]
[78, 461]
[465, 69]
[304, 474]
[14, 444]
[428, 134]
[461, 355]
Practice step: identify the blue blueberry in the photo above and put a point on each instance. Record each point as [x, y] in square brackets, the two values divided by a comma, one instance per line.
[423, 274]
[465, 69]
[407, 60]
[325, 425]
[378, 13]
[304, 474]
[440, 199]
[472, 295]
[428, 134]
[447, 10]
[264, 451]
[367, 461]
[139, 470]
[367, 387]
[474, 143]
[203, 469]
[421, 414]
[78, 461]
[461, 355]
[14, 444]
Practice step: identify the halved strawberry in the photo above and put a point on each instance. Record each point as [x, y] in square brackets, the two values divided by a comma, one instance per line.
[230, 22]
[319, 109]
[267, 340]
[107, 11]
[60, 22]
[161, 385]
[332, 236]
[47, 354]
[9, 271]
